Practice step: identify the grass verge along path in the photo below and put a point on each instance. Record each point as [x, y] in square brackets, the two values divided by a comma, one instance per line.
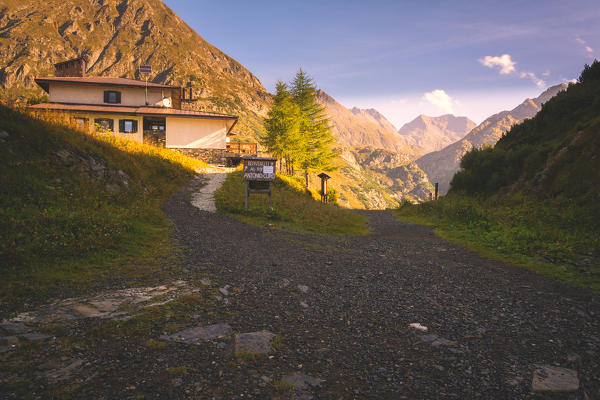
[294, 208]
[556, 238]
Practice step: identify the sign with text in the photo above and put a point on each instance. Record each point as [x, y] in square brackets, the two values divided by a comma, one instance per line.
[259, 169]
[145, 69]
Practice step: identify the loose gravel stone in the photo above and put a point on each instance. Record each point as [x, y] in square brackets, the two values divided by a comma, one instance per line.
[548, 378]
[199, 334]
[303, 288]
[302, 381]
[253, 342]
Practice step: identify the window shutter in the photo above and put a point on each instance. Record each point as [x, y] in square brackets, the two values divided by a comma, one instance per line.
[121, 125]
[134, 126]
[111, 125]
[118, 95]
[106, 96]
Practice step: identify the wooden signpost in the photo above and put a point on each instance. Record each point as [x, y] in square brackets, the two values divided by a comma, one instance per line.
[259, 174]
[324, 177]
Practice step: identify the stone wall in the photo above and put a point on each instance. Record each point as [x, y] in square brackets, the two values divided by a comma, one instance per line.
[211, 156]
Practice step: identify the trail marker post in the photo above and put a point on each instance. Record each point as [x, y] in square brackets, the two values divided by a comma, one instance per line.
[259, 174]
[324, 177]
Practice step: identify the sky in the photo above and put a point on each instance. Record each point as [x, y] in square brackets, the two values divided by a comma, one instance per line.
[405, 58]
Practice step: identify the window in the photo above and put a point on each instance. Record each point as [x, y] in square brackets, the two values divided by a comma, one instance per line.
[104, 124]
[112, 97]
[128, 125]
[80, 122]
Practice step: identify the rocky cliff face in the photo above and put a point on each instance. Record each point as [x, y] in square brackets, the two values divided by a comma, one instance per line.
[352, 130]
[441, 166]
[117, 37]
[434, 133]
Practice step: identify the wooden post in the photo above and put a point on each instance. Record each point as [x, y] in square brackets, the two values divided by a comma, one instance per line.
[270, 196]
[436, 190]
[247, 193]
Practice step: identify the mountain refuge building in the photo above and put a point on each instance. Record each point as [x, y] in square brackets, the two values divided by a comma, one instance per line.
[133, 109]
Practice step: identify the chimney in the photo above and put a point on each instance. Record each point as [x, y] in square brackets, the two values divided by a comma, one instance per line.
[74, 67]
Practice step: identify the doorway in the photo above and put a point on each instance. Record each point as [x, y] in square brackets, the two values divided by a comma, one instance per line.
[155, 131]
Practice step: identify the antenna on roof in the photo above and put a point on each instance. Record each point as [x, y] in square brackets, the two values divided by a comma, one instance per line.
[145, 70]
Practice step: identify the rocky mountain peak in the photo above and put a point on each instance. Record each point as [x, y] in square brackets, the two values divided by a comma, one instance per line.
[434, 133]
[375, 116]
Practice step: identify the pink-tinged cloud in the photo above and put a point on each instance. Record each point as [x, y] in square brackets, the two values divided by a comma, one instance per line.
[533, 77]
[505, 62]
[440, 99]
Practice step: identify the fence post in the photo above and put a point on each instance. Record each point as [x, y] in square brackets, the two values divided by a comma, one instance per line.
[436, 190]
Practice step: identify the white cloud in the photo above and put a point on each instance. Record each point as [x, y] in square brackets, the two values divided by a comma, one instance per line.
[507, 67]
[505, 62]
[440, 99]
[587, 48]
[546, 74]
[538, 82]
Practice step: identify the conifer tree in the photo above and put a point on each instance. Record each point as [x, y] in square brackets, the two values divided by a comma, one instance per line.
[317, 140]
[282, 138]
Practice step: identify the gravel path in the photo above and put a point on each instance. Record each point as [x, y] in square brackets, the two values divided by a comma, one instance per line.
[399, 314]
[203, 197]
[344, 306]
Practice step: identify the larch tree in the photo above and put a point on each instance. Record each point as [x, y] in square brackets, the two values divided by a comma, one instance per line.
[317, 141]
[283, 139]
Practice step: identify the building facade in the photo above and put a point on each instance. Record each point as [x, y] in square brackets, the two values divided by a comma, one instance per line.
[133, 109]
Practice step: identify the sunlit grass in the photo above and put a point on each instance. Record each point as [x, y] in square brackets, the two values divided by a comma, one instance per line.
[293, 208]
[64, 229]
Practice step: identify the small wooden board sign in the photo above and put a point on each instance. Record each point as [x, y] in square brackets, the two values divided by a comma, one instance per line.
[259, 169]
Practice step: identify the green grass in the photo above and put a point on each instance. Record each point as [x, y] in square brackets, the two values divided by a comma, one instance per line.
[64, 231]
[182, 370]
[283, 386]
[294, 208]
[556, 238]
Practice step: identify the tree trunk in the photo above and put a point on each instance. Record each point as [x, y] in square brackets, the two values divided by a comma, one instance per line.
[306, 176]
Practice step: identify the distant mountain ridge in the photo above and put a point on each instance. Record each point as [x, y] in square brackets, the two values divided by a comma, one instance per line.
[434, 133]
[361, 128]
[441, 166]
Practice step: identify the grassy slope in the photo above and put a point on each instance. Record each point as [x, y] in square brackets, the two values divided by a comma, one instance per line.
[533, 199]
[556, 238]
[294, 208]
[66, 228]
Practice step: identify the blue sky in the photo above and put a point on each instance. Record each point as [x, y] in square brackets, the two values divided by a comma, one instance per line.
[404, 58]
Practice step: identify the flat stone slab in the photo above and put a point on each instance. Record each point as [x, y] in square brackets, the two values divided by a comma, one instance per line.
[548, 378]
[34, 336]
[106, 305]
[12, 327]
[253, 342]
[200, 333]
[302, 381]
